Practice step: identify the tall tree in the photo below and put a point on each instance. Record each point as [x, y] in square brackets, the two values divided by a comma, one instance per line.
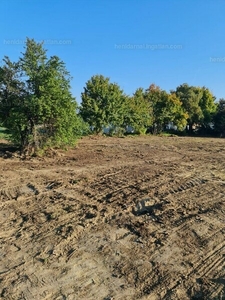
[102, 103]
[177, 115]
[12, 100]
[166, 108]
[40, 108]
[190, 97]
[208, 106]
[219, 118]
[138, 112]
[199, 104]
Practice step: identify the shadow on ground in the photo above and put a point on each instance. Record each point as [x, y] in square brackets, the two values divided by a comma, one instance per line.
[7, 150]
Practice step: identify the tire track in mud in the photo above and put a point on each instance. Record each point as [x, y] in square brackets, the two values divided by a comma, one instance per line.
[189, 184]
[45, 235]
[193, 184]
[208, 266]
[185, 206]
[202, 270]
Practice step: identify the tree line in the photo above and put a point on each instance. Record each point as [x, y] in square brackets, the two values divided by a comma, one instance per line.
[37, 106]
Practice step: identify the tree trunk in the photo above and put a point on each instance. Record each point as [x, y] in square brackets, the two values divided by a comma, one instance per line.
[190, 128]
[35, 142]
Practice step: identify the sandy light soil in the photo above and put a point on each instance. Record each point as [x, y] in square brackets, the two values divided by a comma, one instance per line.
[115, 218]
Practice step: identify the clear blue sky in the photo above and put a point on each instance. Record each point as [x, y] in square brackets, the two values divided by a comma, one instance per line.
[116, 38]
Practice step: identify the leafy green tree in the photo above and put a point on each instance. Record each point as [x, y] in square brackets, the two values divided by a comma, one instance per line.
[166, 108]
[102, 104]
[36, 102]
[137, 112]
[219, 118]
[208, 106]
[177, 114]
[12, 96]
[198, 103]
[190, 97]
[154, 96]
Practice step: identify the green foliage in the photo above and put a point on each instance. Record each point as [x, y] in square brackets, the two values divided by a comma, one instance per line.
[208, 106]
[190, 98]
[36, 102]
[166, 108]
[102, 103]
[4, 133]
[219, 118]
[137, 113]
[198, 103]
[82, 127]
[178, 116]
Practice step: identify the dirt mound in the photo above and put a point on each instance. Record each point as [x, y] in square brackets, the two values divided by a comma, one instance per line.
[133, 218]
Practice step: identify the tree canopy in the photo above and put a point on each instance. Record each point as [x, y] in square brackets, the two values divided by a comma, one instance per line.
[166, 108]
[219, 118]
[138, 112]
[37, 106]
[102, 103]
[198, 103]
[36, 103]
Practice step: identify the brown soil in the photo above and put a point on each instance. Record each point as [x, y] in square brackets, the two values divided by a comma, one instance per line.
[115, 218]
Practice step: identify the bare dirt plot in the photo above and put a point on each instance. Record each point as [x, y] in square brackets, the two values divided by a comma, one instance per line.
[131, 218]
